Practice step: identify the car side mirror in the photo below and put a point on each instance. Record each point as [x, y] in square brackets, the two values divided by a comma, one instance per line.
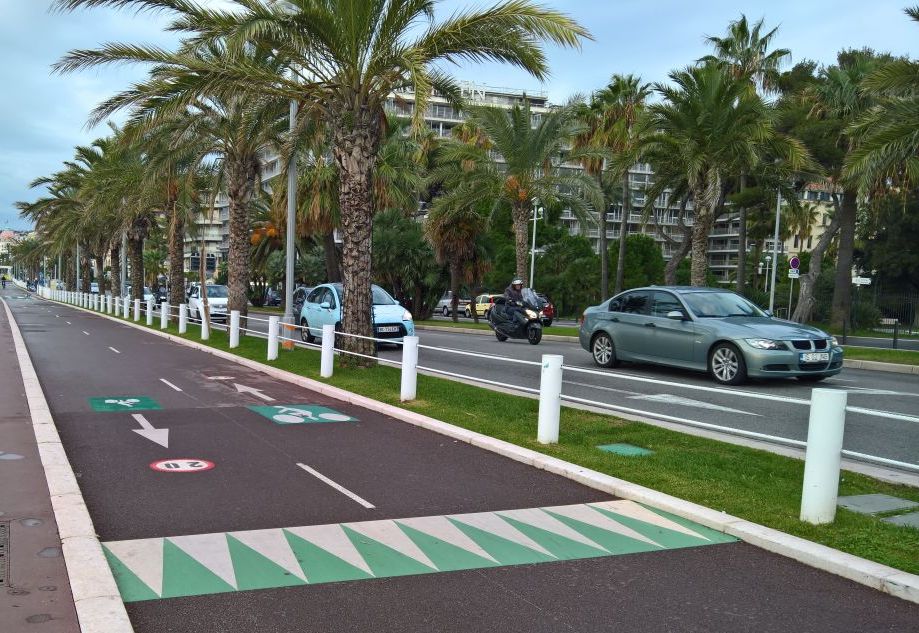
[325, 305]
[676, 315]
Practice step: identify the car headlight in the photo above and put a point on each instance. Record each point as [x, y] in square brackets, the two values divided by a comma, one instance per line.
[406, 315]
[765, 343]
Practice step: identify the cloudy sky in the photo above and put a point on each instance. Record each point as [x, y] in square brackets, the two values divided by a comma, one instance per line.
[42, 116]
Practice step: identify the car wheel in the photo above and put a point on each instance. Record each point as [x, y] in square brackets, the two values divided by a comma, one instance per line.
[445, 311]
[726, 364]
[468, 314]
[603, 350]
[534, 335]
[817, 378]
[305, 334]
[500, 337]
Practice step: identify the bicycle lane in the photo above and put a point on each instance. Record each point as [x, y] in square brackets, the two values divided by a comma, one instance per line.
[167, 532]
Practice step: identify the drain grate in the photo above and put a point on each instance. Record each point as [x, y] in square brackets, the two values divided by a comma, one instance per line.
[4, 553]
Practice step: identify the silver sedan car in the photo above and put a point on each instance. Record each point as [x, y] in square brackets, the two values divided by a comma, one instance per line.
[707, 329]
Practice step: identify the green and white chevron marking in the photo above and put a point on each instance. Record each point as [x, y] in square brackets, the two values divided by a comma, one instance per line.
[170, 567]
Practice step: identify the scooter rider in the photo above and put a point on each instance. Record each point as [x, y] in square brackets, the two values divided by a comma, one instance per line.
[514, 296]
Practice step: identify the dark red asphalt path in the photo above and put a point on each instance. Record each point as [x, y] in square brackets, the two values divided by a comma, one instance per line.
[404, 471]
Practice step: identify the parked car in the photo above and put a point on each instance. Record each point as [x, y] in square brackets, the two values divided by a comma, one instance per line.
[483, 303]
[217, 297]
[445, 305]
[94, 287]
[148, 294]
[300, 298]
[546, 309]
[323, 307]
[273, 298]
[707, 329]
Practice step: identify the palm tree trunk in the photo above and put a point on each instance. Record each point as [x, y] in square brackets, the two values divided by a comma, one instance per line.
[136, 253]
[115, 256]
[455, 272]
[842, 291]
[804, 309]
[176, 257]
[72, 272]
[85, 278]
[239, 192]
[623, 233]
[355, 145]
[676, 259]
[332, 269]
[741, 282]
[520, 217]
[703, 216]
[100, 272]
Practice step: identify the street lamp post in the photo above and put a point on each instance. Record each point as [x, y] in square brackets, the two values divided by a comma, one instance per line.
[291, 220]
[768, 261]
[775, 248]
[537, 213]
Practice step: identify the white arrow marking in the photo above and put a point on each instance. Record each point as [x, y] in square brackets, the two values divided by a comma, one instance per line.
[255, 392]
[667, 398]
[160, 436]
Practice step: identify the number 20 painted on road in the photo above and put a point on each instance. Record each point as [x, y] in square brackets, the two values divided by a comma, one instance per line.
[181, 465]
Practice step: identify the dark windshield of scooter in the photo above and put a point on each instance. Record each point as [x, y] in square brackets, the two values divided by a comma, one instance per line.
[530, 298]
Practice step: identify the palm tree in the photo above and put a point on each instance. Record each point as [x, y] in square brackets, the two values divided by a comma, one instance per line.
[801, 217]
[616, 122]
[342, 59]
[745, 54]
[709, 127]
[520, 165]
[453, 232]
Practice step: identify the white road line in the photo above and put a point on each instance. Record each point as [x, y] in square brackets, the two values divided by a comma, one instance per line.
[339, 488]
[219, 377]
[85, 332]
[114, 350]
[611, 389]
[68, 322]
[170, 384]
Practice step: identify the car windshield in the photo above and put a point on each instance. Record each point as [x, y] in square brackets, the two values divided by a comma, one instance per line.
[147, 290]
[217, 292]
[381, 297]
[720, 305]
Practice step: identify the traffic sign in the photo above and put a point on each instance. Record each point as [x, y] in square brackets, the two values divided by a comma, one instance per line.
[793, 273]
[861, 281]
[794, 262]
[301, 414]
[181, 465]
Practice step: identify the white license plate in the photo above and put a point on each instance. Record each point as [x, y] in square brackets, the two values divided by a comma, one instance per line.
[388, 328]
[815, 357]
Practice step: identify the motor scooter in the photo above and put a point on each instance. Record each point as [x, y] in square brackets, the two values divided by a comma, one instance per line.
[519, 321]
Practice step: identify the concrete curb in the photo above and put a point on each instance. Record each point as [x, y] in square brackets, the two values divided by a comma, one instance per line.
[850, 363]
[881, 577]
[96, 597]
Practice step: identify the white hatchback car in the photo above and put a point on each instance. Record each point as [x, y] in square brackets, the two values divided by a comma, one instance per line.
[217, 297]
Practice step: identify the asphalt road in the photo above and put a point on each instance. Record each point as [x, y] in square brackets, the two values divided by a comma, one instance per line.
[180, 569]
[655, 391]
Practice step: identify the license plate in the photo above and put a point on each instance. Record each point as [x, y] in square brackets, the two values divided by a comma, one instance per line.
[388, 328]
[815, 357]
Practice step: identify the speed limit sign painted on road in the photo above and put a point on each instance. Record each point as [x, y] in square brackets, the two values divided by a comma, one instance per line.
[182, 465]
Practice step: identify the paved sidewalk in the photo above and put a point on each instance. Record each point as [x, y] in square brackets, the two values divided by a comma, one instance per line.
[34, 588]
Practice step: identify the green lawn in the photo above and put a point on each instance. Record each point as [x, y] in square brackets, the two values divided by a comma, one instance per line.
[554, 330]
[744, 482]
[899, 356]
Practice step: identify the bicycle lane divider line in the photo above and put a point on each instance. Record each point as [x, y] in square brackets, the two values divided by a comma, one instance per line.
[351, 495]
[114, 350]
[166, 382]
[96, 596]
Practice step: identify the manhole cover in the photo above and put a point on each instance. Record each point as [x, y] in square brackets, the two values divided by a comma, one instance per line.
[4, 553]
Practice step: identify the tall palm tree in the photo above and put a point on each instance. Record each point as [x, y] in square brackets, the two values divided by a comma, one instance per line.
[618, 124]
[342, 58]
[708, 127]
[745, 54]
[521, 163]
[453, 231]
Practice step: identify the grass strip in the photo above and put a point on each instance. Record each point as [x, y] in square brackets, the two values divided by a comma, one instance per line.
[755, 485]
[557, 330]
[898, 356]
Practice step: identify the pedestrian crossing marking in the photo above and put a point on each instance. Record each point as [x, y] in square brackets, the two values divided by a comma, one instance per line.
[175, 566]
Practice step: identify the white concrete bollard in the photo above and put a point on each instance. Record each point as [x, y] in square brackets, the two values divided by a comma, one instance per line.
[137, 309]
[126, 304]
[550, 400]
[117, 306]
[327, 360]
[183, 318]
[409, 368]
[95, 302]
[150, 309]
[824, 455]
[273, 325]
[234, 328]
[164, 315]
[109, 303]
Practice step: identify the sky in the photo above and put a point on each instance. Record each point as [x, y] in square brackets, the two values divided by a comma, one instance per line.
[43, 115]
